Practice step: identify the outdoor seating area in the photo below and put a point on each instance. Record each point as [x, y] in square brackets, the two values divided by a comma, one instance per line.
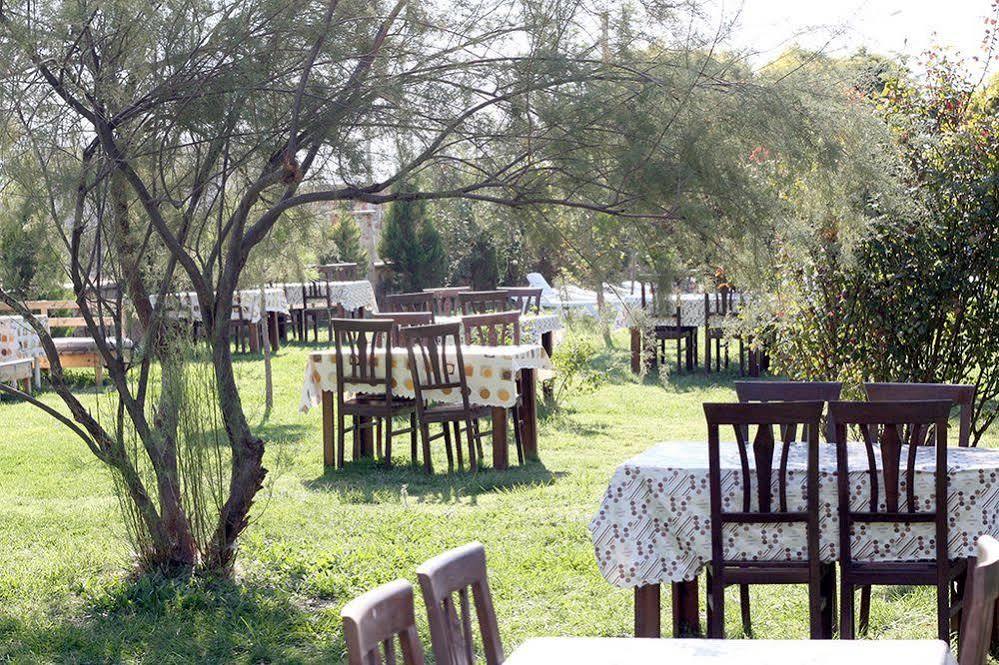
[499, 332]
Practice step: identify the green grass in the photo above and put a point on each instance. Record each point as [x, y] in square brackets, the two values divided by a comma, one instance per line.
[321, 537]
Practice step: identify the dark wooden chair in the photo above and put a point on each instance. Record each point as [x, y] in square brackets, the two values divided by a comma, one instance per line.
[492, 329]
[686, 341]
[317, 305]
[962, 396]
[373, 622]
[405, 320]
[889, 430]
[980, 598]
[247, 332]
[717, 307]
[436, 364]
[500, 329]
[446, 299]
[460, 572]
[525, 298]
[361, 346]
[410, 302]
[482, 302]
[765, 508]
[338, 272]
[792, 391]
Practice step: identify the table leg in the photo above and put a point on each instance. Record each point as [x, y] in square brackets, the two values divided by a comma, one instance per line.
[500, 453]
[38, 374]
[367, 436]
[548, 344]
[529, 412]
[686, 609]
[272, 328]
[329, 432]
[254, 331]
[648, 611]
[636, 351]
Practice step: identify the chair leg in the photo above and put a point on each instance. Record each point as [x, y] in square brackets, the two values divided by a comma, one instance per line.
[428, 466]
[828, 591]
[716, 598]
[747, 620]
[388, 441]
[865, 610]
[357, 437]
[340, 437]
[447, 447]
[379, 453]
[472, 434]
[943, 611]
[412, 437]
[678, 355]
[518, 422]
[846, 612]
[457, 443]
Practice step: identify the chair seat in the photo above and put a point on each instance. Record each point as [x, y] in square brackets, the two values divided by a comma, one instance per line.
[376, 405]
[449, 412]
[766, 572]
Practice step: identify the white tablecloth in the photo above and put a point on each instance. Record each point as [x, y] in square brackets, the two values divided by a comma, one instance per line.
[532, 326]
[491, 373]
[185, 305]
[691, 306]
[654, 523]
[349, 295]
[628, 651]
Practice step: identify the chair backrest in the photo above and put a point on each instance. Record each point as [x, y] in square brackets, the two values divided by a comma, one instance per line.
[481, 302]
[338, 272]
[538, 281]
[980, 595]
[963, 397]
[455, 573]
[792, 391]
[720, 304]
[435, 359]
[446, 299]
[410, 302]
[764, 507]
[493, 329]
[525, 298]
[889, 430]
[361, 345]
[374, 621]
[405, 320]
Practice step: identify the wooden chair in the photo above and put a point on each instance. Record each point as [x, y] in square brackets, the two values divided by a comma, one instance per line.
[338, 272]
[436, 364]
[962, 396]
[482, 302]
[765, 508]
[410, 302]
[525, 298]
[718, 307]
[792, 391]
[317, 305]
[685, 337]
[451, 633]
[446, 299]
[980, 598]
[378, 619]
[405, 320]
[889, 430]
[492, 329]
[361, 346]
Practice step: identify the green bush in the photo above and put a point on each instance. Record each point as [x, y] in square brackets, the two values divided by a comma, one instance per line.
[412, 246]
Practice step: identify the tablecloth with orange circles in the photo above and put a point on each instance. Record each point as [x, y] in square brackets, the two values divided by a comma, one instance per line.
[18, 339]
[490, 371]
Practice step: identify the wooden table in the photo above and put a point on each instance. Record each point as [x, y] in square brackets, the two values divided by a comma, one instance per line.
[628, 651]
[488, 371]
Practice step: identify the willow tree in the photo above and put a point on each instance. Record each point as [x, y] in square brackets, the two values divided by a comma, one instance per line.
[166, 142]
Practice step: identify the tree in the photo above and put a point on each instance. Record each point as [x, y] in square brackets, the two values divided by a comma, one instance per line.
[345, 242]
[166, 141]
[412, 246]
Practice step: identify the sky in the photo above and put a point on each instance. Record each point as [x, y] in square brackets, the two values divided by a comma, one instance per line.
[890, 27]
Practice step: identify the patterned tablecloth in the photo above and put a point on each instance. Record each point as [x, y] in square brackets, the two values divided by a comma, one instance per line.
[349, 295]
[654, 523]
[532, 326]
[18, 339]
[185, 305]
[491, 372]
[691, 307]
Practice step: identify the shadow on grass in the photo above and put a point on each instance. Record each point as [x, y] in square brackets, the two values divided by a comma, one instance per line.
[370, 481]
[153, 619]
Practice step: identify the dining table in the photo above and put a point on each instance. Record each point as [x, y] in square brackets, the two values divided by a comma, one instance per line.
[491, 374]
[653, 526]
[628, 651]
[21, 348]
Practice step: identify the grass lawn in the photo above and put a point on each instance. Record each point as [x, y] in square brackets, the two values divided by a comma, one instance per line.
[322, 537]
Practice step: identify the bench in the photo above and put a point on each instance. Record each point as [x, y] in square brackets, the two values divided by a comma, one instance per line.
[19, 370]
[75, 352]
